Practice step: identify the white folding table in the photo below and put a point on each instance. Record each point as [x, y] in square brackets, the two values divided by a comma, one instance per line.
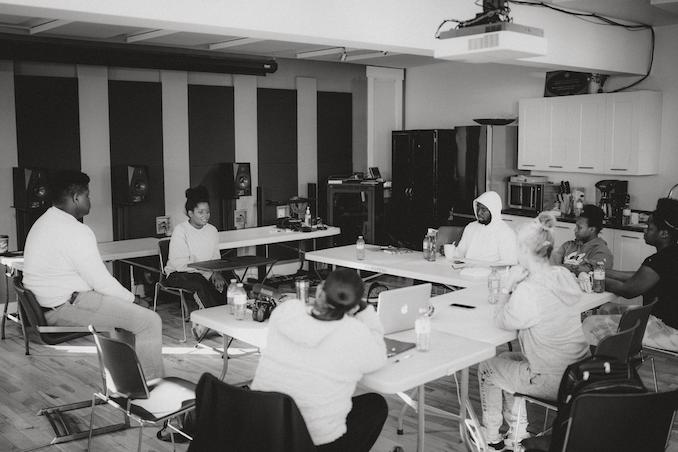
[449, 353]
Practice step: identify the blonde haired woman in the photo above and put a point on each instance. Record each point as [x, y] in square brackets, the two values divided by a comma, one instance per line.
[542, 309]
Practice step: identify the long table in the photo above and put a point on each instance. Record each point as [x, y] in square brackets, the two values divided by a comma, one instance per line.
[124, 250]
[449, 353]
[476, 323]
[409, 264]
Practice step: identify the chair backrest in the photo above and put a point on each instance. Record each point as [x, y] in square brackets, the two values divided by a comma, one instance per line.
[121, 372]
[449, 234]
[620, 422]
[617, 345]
[163, 253]
[31, 311]
[229, 418]
[638, 315]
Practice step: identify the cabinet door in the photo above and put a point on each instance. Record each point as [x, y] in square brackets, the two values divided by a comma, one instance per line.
[515, 221]
[562, 232]
[608, 235]
[423, 176]
[588, 153]
[621, 133]
[564, 136]
[630, 250]
[534, 134]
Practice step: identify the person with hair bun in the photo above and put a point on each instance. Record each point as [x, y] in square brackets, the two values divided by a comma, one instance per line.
[542, 308]
[196, 240]
[317, 354]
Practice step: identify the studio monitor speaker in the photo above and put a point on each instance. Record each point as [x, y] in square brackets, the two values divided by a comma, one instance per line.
[237, 180]
[30, 188]
[129, 184]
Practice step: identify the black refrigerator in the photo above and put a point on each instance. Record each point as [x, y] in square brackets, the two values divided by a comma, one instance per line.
[437, 173]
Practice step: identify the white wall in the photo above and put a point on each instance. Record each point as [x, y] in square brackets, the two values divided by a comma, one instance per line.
[449, 94]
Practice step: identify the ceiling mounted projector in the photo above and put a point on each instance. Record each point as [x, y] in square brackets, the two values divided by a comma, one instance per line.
[490, 43]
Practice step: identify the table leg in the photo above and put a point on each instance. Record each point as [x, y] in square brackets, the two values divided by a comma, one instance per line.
[224, 368]
[4, 312]
[463, 398]
[421, 411]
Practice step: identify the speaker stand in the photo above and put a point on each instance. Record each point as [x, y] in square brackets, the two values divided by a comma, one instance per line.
[228, 213]
[121, 222]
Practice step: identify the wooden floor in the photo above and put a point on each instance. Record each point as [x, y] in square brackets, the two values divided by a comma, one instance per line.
[70, 373]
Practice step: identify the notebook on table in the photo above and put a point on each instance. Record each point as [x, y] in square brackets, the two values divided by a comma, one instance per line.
[398, 309]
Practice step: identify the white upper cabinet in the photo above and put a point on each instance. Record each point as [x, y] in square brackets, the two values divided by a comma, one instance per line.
[632, 133]
[615, 133]
[533, 140]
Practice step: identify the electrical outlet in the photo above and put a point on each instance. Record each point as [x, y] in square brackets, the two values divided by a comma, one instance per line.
[162, 225]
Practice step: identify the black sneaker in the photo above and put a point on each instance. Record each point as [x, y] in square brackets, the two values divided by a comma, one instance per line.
[497, 446]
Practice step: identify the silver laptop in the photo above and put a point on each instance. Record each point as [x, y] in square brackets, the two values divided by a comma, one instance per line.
[398, 308]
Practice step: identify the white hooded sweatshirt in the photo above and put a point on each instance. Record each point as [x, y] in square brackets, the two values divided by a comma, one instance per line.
[318, 363]
[493, 242]
[542, 309]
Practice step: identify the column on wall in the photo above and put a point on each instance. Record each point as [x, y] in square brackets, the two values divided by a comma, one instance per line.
[245, 110]
[8, 153]
[307, 133]
[384, 114]
[95, 153]
[175, 142]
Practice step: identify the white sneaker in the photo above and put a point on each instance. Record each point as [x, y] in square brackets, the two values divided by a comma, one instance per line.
[513, 443]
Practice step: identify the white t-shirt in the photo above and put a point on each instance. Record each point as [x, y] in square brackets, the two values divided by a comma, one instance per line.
[189, 244]
[61, 257]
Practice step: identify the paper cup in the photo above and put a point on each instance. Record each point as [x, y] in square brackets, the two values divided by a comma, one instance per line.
[450, 251]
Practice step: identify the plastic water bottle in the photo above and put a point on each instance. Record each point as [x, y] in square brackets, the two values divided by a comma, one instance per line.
[360, 248]
[422, 328]
[494, 286]
[239, 302]
[307, 216]
[599, 277]
[229, 294]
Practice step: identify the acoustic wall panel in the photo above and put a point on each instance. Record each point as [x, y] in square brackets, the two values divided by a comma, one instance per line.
[47, 122]
[277, 149]
[211, 134]
[135, 112]
[335, 140]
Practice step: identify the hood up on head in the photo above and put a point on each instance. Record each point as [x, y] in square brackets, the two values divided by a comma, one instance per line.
[492, 201]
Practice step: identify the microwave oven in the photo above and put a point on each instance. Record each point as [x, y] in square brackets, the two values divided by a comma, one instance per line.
[532, 197]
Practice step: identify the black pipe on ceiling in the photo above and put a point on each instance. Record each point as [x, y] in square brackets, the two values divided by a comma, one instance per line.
[98, 53]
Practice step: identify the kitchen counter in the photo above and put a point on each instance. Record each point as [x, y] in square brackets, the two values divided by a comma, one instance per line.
[640, 227]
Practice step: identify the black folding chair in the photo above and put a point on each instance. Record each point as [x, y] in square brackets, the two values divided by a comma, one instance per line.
[161, 285]
[619, 423]
[125, 388]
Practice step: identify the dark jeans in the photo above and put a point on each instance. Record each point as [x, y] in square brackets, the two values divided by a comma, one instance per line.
[197, 283]
[363, 425]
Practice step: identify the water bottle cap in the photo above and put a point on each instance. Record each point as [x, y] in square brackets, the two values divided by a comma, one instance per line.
[240, 284]
[233, 280]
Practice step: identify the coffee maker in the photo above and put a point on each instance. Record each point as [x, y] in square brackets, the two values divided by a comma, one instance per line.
[613, 195]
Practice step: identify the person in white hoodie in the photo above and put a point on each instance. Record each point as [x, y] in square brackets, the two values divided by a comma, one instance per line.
[542, 308]
[489, 238]
[317, 354]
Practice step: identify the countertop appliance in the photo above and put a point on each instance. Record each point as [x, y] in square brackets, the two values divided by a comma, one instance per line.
[533, 197]
[613, 195]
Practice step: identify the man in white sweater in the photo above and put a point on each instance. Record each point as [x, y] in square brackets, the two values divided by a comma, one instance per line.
[489, 239]
[318, 354]
[63, 268]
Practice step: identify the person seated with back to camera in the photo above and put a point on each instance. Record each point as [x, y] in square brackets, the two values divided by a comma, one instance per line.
[654, 280]
[196, 240]
[63, 268]
[542, 308]
[489, 238]
[587, 249]
[317, 354]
